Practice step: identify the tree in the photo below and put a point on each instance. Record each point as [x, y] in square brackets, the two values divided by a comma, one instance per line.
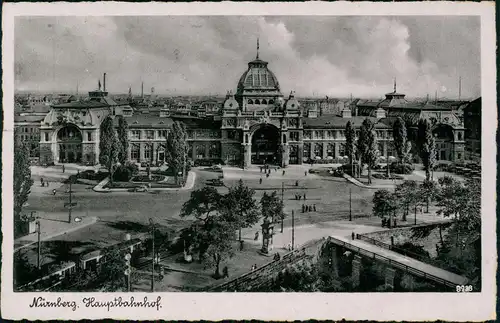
[350, 144]
[384, 204]
[241, 206]
[122, 132]
[427, 146]
[22, 182]
[408, 195]
[272, 207]
[218, 237]
[109, 146]
[367, 146]
[176, 150]
[428, 190]
[400, 138]
[202, 204]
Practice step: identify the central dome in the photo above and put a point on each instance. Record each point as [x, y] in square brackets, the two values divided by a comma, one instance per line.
[258, 76]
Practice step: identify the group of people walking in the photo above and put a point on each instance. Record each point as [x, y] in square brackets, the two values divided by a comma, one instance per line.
[308, 208]
[298, 197]
[44, 183]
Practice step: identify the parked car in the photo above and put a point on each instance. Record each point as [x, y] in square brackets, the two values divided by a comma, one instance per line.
[142, 188]
[217, 182]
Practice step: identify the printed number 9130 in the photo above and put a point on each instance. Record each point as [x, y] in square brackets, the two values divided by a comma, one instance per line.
[464, 288]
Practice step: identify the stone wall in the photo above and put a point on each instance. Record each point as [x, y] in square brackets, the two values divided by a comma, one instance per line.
[417, 236]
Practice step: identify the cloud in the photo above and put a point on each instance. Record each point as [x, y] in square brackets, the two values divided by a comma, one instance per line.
[325, 55]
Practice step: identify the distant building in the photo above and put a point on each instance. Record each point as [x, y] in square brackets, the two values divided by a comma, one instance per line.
[472, 123]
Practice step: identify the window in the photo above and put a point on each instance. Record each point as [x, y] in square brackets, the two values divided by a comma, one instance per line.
[342, 151]
[162, 134]
[134, 152]
[264, 101]
[459, 137]
[307, 134]
[135, 134]
[250, 101]
[89, 136]
[257, 101]
[150, 134]
[284, 138]
[318, 150]
[294, 136]
[307, 150]
[46, 136]
[147, 152]
[214, 151]
[330, 134]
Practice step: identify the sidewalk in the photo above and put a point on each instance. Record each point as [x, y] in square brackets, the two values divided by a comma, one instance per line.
[54, 225]
[295, 172]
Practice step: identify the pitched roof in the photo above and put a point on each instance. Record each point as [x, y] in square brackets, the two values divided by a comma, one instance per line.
[331, 121]
[28, 118]
[147, 120]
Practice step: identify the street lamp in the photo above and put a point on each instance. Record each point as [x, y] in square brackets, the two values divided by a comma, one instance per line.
[151, 222]
[350, 204]
[70, 204]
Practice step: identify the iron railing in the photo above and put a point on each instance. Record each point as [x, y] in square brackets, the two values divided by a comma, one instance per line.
[394, 263]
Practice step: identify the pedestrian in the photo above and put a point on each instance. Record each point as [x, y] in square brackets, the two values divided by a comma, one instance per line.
[296, 183]
[267, 175]
[303, 208]
[314, 207]
[256, 236]
[54, 191]
[48, 183]
[395, 222]
[353, 236]
[260, 180]
[64, 169]
[276, 257]
[41, 181]
[310, 208]
[289, 247]
[260, 168]
[304, 196]
[305, 173]
[283, 173]
[225, 272]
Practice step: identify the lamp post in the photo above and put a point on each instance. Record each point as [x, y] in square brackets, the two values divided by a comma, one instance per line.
[350, 204]
[39, 245]
[70, 204]
[293, 230]
[282, 204]
[151, 222]
[128, 270]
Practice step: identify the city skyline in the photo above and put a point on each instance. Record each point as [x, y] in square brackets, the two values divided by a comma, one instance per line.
[427, 55]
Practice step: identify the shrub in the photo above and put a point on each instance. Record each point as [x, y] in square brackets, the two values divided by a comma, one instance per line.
[348, 168]
[122, 174]
[402, 168]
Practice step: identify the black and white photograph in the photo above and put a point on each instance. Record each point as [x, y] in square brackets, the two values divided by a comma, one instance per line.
[247, 154]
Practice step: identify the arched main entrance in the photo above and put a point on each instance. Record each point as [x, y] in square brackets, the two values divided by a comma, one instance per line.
[69, 141]
[265, 145]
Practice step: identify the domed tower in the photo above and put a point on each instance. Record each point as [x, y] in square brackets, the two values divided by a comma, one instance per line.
[258, 88]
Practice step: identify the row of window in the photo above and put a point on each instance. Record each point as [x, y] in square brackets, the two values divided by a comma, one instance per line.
[333, 134]
[148, 134]
[330, 149]
[263, 101]
[29, 137]
[29, 129]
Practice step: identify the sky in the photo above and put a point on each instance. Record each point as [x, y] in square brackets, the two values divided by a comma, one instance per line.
[200, 55]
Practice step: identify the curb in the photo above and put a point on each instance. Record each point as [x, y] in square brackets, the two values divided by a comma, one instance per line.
[191, 179]
[94, 220]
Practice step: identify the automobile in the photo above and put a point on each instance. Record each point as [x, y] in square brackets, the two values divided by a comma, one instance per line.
[216, 167]
[217, 182]
[313, 171]
[141, 188]
[144, 164]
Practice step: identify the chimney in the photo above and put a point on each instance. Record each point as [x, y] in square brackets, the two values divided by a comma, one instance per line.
[380, 113]
[142, 90]
[104, 81]
[346, 113]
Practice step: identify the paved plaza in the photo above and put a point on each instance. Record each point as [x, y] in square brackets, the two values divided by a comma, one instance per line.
[108, 217]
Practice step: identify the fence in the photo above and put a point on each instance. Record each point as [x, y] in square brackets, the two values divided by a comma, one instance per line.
[398, 250]
[276, 265]
[394, 263]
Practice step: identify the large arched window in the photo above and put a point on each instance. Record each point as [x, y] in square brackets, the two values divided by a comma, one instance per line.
[250, 101]
[257, 101]
[264, 101]
[69, 133]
